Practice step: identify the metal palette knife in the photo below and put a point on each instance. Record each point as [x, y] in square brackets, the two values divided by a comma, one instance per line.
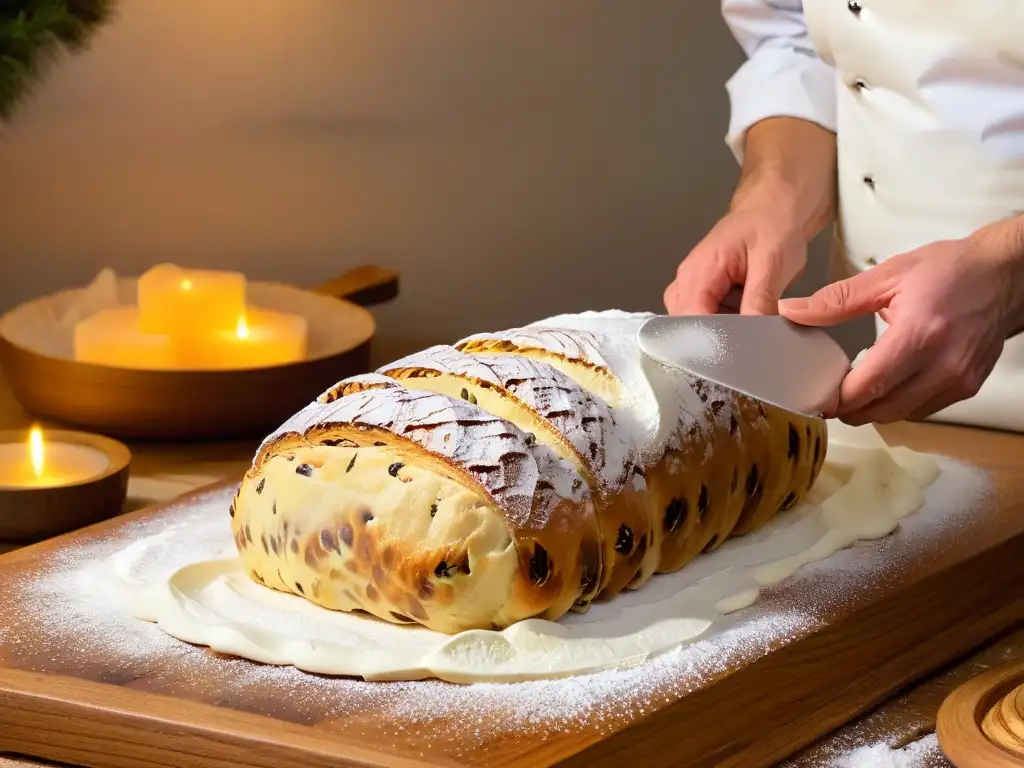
[766, 357]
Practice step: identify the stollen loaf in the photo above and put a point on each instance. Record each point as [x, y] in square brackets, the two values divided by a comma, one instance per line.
[516, 474]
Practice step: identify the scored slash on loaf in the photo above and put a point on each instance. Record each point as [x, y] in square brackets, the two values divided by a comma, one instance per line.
[513, 475]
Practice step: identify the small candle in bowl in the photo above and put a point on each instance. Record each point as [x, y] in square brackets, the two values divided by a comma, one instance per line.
[37, 465]
[56, 481]
[259, 338]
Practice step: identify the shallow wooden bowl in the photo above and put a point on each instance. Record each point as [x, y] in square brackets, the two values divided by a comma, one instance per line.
[981, 723]
[32, 514]
[193, 405]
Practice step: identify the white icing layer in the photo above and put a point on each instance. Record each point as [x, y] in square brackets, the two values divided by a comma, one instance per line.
[659, 403]
[864, 490]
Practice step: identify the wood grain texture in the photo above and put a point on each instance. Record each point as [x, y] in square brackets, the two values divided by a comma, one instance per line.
[911, 714]
[962, 592]
[981, 723]
[94, 724]
[20, 762]
[202, 404]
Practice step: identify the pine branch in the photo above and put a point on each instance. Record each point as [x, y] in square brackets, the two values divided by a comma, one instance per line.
[33, 36]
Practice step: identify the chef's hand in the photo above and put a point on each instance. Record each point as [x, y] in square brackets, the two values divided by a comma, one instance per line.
[785, 196]
[754, 248]
[949, 305]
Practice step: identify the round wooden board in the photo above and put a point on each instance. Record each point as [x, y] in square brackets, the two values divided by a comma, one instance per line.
[981, 723]
[191, 405]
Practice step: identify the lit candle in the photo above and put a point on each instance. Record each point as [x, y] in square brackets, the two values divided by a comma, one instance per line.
[189, 302]
[36, 463]
[114, 337]
[259, 338]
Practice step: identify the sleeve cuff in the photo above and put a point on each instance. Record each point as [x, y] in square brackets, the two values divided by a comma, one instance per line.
[779, 82]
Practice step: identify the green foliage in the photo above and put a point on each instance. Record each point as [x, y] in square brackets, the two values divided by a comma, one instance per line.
[33, 35]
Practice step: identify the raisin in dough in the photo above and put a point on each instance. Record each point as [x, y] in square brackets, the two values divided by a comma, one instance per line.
[514, 474]
[416, 507]
[579, 427]
[717, 463]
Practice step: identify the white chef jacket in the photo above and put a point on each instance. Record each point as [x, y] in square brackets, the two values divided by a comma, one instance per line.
[927, 99]
[783, 75]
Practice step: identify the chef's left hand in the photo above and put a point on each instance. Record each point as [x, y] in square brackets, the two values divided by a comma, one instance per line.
[949, 305]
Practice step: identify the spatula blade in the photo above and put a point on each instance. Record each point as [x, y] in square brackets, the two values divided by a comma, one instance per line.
[794, 367]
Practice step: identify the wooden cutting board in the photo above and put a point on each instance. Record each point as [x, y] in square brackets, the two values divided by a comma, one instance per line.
[66, 697]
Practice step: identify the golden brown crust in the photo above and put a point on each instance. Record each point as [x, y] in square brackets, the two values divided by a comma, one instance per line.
[736, 479]
[391, 542]
[630, 541]
[719, 477]
[580, 427]
[544, 505]
[785, 455]
[515, 506]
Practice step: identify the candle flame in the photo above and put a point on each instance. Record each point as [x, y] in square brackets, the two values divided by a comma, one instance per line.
[35, 450]
[186, 284]
[242, 329]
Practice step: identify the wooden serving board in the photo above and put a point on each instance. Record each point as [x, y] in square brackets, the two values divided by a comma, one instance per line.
[65, 697]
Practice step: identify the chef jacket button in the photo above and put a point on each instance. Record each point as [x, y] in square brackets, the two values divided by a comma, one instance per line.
[854, 7]
[860, 84]
[869, 181]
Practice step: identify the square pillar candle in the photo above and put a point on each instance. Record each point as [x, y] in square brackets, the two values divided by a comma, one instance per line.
[190, 302]
[259, 338]
[114, 337]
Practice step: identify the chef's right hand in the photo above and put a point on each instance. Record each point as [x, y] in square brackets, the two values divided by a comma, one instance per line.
[755, 247]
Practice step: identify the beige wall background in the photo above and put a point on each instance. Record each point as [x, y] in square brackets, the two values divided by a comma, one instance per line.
[512, 160]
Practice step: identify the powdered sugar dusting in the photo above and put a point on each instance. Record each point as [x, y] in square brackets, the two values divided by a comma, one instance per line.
[665, 396]
[61, 617]
[585, 421]
[923, 753]
[701, 343]
[499, 454]
[660, 404]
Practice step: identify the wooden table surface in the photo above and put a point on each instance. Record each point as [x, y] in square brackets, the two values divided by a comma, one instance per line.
[161, 472]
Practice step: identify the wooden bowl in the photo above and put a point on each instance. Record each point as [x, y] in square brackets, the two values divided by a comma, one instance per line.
[32, 514]
[195, 404]
[981, 723]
